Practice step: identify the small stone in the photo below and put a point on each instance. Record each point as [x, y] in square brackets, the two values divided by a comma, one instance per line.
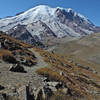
[65, 90]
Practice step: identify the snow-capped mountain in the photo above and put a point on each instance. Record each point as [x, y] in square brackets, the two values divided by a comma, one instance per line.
[43, 21]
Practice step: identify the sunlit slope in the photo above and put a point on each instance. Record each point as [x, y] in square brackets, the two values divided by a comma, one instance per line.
[86, 50]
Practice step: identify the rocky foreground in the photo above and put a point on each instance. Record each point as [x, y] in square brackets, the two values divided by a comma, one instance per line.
[29, 73]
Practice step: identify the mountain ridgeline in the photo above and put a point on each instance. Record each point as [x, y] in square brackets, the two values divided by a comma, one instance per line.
[42, 22]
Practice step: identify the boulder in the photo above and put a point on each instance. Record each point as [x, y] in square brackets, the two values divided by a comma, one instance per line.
[78, 64]
[53, 89]
[39, 94]
[43, 93]
[27, 62]
[23, 93]
[1, 87]
[8, 58]
[53, 84]
[2, 97]
[47, 91]
[70, 61]
[65, 90]
[62, 73]
[17, 68]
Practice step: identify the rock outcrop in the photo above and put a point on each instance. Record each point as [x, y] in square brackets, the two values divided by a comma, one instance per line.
[17, 68]
[14, 51]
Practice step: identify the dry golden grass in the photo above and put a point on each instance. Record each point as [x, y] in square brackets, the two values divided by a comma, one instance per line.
[54, 75]
[25, 45]
[25, 52]
[27, 58]
[59, 61]
[59, 95]
[7, 56]
[18, 52]
[79, 84]
[4, 52]
[48, 72]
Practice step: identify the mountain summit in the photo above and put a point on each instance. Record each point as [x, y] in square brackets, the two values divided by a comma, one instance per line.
[43, 21]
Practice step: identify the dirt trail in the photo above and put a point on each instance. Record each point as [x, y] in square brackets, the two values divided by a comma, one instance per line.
[40, 62]
[13, 78]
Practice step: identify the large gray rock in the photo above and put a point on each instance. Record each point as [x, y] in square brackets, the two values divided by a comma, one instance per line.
[2, 97]
[1, 87]
[17, 68]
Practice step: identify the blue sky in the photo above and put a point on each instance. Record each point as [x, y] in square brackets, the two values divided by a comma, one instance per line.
[89, 8]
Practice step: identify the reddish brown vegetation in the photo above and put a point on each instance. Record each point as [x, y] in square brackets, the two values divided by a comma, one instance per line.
[76, 78]
[14, 51]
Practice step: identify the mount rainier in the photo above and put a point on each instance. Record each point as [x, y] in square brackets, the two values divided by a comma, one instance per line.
[43, 22]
